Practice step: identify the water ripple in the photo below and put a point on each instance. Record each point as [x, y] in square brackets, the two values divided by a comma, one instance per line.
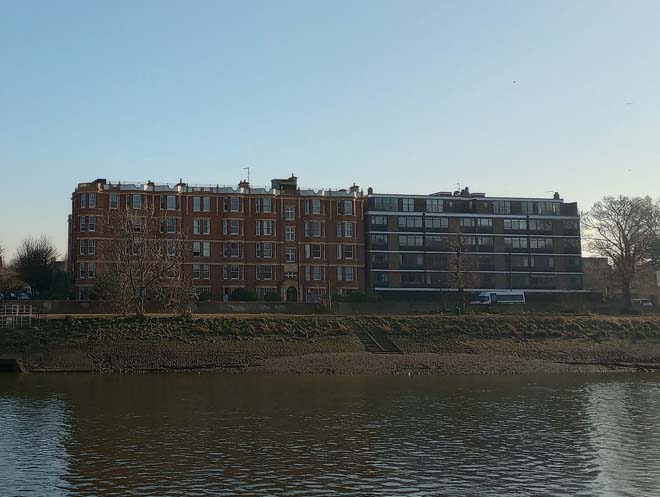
[329, 436]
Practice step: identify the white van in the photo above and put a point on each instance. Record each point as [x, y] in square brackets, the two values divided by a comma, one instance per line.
[500, 297]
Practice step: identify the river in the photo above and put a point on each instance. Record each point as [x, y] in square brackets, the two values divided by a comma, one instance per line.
[215, 435]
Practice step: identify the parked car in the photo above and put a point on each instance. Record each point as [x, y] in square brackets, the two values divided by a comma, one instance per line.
[500, 297]
[644, 302]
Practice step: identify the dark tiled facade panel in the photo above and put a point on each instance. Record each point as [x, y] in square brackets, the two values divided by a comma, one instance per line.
[531, 244]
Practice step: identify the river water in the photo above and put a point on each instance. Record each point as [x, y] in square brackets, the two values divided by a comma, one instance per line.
[212, 435]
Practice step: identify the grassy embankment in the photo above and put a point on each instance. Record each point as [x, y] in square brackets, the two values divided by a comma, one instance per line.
[244, 342]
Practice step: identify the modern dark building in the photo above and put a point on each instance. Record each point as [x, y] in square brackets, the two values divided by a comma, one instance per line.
[451, 240]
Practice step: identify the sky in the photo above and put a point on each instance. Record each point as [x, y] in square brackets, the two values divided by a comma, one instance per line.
[511, 98]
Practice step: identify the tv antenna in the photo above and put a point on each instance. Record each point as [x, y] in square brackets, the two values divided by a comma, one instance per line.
[248, 173]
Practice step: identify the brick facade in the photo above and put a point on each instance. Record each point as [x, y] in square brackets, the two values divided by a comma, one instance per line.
[305, 245]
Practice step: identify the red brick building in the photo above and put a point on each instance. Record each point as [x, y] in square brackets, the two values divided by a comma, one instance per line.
[303, 244]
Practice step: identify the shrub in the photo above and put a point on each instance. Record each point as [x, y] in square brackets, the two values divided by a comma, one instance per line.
[272, 297]
[243, 295]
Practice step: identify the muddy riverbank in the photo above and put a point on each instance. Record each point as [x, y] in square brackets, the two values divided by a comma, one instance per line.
[435, 344]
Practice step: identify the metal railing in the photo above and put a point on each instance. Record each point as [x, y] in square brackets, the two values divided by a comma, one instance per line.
[16, 316]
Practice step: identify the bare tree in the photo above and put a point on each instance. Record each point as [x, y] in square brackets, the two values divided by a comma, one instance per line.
[626, 231]
[461, 266]
[34, 263]
[140, 262]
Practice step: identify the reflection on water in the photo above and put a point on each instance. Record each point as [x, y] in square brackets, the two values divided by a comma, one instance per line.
[204, 435]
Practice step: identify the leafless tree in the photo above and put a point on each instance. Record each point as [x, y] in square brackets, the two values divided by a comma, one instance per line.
[461, 265]
[140, 262]
[34, 263]
[625, 230]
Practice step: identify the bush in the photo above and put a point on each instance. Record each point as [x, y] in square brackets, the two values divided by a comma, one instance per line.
[272, 297]
[243, 295]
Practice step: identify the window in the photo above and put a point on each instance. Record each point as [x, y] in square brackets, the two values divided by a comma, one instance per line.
[340, 273]
[267, 205]
[82, 271]
[92, 223]
[381, 277]
[515, 224]
[548, 208]
[339, 230]
[264, 272]
[379, 260]
[231, 226]
[379, 239]
[268, 227]
[437, 242]
[202, 292]
[92, 200]
[411, 240]
[408, 204]
[268, 250]
[515, 243]
[348, 274]
[540, 225]
[291, 275]
[485, 241]
[528, 208]
[468, 222]
[83, 247]
[543, 261]
[437, 223]
[410, 222]
[137, 201]
[197, 271]
[313, 228]
[289, 233]
[434, 205]
[349, 251]
[386, 204]
[207, 204]
[201, 249]
[316, 273]
[290, 254]
[411, 260]
[171, 202]
[197, 204]
[348, 230]
[519, 261]
[571, 245]
[91, 247]
[379, 220]
[234, 272]
[540, 243]
[313, 206]
[114, 200]
[345, 207]
[502, 207]
[235, 204]
[571, 226]
[290, 213]
[206, 272]
[82, 223]
[316, 251]
[83, 200]
[201, 226]
[234, 249]
[484, 222]
[171, 225]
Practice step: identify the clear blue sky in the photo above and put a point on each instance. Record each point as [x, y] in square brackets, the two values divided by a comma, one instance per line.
[407, 96]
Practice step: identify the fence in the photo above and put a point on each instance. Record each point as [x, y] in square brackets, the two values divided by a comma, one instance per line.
[16, 316]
